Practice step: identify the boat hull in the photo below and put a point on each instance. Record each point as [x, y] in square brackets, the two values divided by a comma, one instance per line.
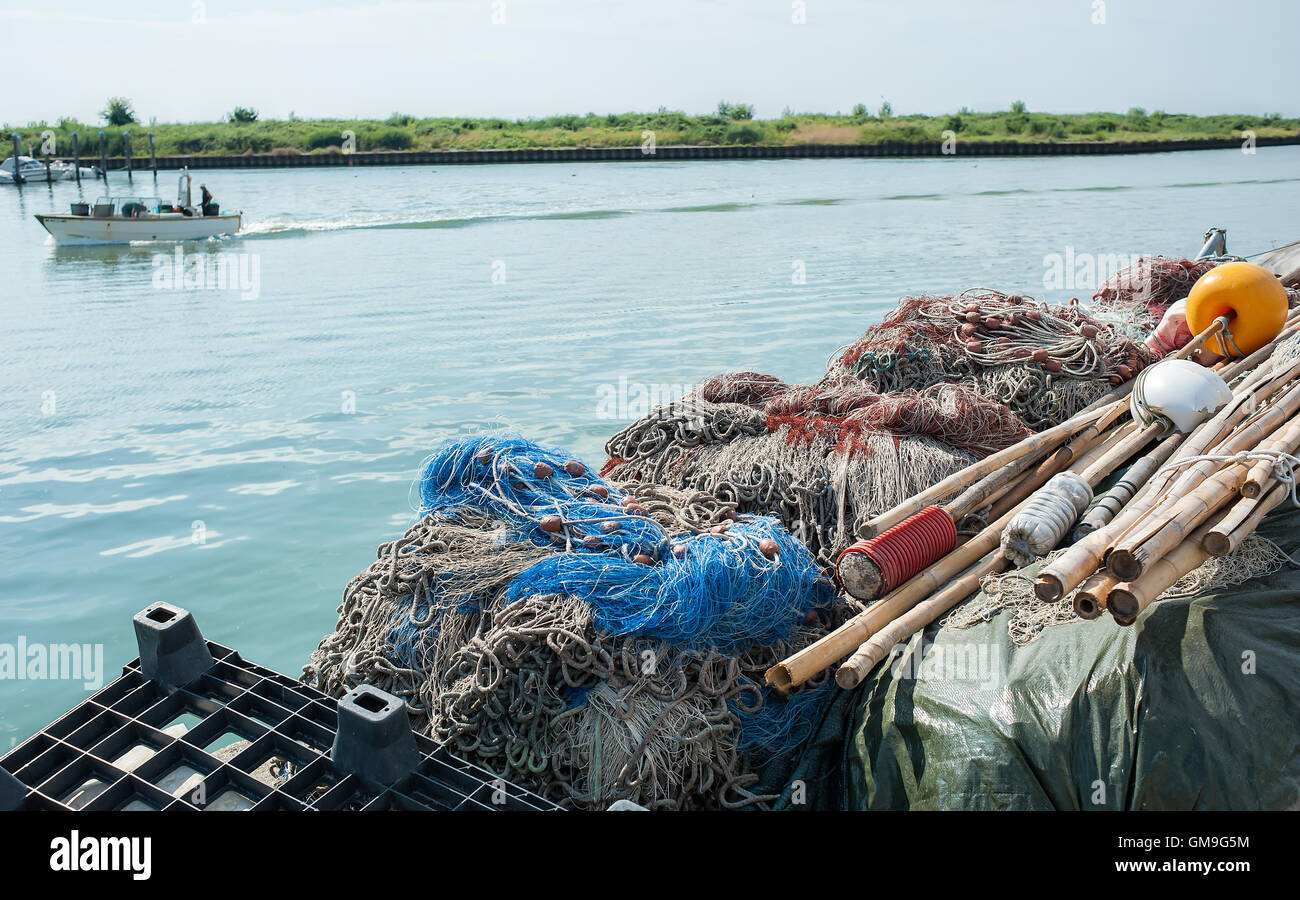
[59, 172]
[89, 230]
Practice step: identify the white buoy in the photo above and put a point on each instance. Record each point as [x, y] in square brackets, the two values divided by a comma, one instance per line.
[1179, 393]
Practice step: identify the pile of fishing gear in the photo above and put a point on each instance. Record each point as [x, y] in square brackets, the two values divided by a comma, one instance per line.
[589, 641]
[665, 631]
[1201, 451]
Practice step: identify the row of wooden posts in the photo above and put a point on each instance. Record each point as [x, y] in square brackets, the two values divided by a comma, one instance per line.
[76, 156]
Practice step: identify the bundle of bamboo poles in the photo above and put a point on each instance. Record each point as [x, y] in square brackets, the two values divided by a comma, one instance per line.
[1184, 498]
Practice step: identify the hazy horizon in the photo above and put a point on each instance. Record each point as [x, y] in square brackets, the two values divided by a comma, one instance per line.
[195, 60]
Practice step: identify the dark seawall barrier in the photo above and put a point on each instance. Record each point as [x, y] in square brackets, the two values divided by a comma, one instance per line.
[887, 149]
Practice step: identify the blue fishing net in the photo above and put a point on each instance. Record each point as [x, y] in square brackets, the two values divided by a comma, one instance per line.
[750, 585]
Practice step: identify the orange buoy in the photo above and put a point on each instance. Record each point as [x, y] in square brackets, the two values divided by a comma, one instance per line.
[1252, 298]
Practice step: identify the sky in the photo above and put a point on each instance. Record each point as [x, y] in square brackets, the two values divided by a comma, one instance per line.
[195, 60]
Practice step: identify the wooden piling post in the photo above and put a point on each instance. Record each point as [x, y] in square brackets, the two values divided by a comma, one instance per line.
[18, 151]
[76, 157]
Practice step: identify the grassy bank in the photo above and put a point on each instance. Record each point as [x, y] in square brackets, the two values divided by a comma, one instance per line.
[402, 132]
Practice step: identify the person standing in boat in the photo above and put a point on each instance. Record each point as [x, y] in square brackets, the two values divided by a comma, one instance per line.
[205, 200]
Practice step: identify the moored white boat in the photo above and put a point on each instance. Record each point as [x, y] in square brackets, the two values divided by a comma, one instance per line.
[31, 169]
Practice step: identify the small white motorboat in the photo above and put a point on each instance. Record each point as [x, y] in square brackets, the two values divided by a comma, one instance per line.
[119, 220]
[32, 169]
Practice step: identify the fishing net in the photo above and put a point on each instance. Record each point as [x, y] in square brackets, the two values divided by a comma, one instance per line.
[1140, 293]
[1045, 363]
[939, 383]
[590, 641]
[823, 460]
[1256, 557]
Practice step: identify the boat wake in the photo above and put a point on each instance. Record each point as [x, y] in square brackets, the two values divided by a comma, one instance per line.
[281, 227]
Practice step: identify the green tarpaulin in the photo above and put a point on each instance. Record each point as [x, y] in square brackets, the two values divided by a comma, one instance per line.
[1193, 707]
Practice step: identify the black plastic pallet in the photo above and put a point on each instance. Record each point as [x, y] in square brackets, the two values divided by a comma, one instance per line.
[123, 748]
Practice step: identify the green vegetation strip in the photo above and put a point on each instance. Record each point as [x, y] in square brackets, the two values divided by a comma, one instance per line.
[730, 127]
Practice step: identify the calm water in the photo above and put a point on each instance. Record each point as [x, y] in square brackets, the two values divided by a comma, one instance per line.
[241, 452]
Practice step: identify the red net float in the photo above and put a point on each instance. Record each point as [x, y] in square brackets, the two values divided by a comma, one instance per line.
[897, 554]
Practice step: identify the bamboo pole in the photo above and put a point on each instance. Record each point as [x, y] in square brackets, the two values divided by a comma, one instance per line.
[1210, 437]
[1124, 490]
[1242, 519]
[1101, 444]
[1128, 598]
[1261, 473]
[1081, 445]
[1166, 528]
[1118, 452]
[1198, 341]
[1230, 369]
[1090, 598]
[799, 667]
[877, 644]
[890, 620]
[861, 577]
[1042, 442]
[877, 647]
[859, 574]
[1155, 539]
[980, 492]
[1069, 570]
